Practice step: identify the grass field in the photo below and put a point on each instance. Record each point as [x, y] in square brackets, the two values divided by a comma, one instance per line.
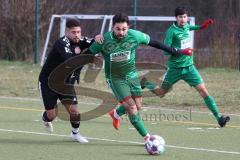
[193, 135]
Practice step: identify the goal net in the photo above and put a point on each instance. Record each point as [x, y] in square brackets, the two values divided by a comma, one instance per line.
[92, 25]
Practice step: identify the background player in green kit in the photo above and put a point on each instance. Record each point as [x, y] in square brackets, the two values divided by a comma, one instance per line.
[181, 67]
[118, 49]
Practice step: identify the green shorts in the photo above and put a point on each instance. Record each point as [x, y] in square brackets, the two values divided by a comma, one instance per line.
[125, 88]
[189, 74]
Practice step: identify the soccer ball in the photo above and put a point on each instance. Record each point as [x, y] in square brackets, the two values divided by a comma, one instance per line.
[155, 145]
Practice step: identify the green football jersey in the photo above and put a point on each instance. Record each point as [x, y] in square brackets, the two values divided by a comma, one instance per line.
[119, 55]
[179, 38]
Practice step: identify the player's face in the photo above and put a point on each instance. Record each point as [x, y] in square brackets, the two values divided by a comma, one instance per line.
[182, 19]
[74, 34]
[120, 30]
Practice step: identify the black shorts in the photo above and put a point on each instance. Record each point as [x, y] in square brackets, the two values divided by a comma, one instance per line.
[50, 97]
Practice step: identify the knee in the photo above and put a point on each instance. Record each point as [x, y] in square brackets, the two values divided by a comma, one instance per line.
[132, 109]
[139, 106]
[51, 114]
[162, 92]
[73, 109]
[203, 92]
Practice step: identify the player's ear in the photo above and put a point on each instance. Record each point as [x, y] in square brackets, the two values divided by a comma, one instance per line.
[113, 26]
[67, 31]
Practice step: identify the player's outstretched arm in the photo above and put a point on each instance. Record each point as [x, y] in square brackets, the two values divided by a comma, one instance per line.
[206, 23]
[174, 51]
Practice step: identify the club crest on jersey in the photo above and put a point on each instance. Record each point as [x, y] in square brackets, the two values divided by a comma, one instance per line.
[77, 50]
[126, 45]
[110, 46]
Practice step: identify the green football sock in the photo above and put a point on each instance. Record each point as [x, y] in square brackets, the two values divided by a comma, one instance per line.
[149, 85]
[211, 104]
[121, 110]
[138, 124]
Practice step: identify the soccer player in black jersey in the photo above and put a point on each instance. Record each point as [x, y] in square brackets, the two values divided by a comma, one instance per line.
[66, 47]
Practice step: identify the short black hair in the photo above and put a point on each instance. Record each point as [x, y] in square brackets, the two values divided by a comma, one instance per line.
[72, 23]
[120, 18]
[180, 11]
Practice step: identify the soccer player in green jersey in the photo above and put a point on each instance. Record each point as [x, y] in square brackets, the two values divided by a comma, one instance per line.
[118, 50]
[181, 67]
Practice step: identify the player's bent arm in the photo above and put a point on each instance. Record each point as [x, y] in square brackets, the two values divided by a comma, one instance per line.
[89, 52]
[168, 39]
[93, 58]
[173, 51]
[195, 27]
[87, 42]
[205, 25]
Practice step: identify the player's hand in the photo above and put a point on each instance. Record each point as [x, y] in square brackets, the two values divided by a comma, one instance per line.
[74, 78]
[187, 51]
[99, 38]
[98, 61]
[206, 23]
[77, 78]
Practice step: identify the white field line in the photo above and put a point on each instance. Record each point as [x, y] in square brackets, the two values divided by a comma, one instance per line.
[130, 142]
[20, 98]
[150, 108]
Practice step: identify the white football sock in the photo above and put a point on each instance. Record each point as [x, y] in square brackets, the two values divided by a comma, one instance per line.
[116, 115]
[75, 130]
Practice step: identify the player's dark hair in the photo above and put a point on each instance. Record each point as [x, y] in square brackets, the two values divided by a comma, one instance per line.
[72, 23]
[120, 18]
[180, 11]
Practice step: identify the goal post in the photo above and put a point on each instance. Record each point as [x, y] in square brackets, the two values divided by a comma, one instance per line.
[104, 19]
[63, 27]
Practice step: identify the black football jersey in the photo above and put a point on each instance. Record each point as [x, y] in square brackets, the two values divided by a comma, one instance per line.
[62, 50]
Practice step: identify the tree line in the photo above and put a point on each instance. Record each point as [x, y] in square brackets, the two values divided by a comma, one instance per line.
[217, 46]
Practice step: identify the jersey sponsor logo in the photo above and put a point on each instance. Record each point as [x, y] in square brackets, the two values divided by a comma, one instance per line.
[120, 56]
[185, 43]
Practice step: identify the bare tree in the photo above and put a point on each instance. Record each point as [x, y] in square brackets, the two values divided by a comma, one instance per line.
[217, 46]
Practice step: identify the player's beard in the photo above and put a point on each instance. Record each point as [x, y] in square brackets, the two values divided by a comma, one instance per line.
[75, 40]
[119, 36]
